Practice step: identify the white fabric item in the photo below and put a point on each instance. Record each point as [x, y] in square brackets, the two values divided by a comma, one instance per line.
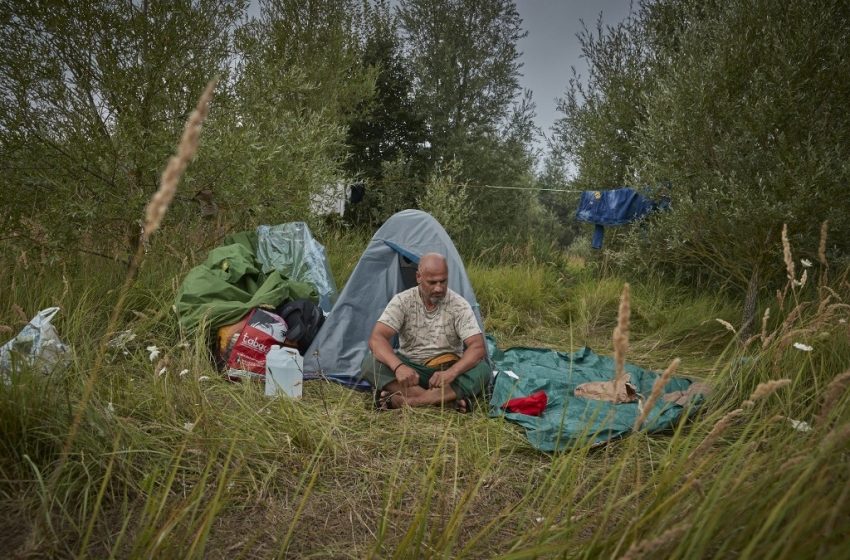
[330, 200]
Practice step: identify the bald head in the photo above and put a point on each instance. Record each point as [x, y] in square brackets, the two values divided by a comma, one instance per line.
[433, 278]
[433, 262]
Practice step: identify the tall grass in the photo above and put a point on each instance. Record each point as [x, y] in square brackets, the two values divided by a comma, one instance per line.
[169, 460]
[515, 299]
[191, 466]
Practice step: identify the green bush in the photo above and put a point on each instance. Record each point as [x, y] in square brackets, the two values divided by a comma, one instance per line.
[734, 105]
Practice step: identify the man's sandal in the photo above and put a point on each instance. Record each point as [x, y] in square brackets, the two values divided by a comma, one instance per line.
[382, 401]
[464, 405]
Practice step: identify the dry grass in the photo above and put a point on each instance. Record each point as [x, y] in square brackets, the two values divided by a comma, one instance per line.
[657, 390]
[654, 546]
[328, 477]
[824, 227]
[716, 431]
[765, 389]
[836, 389]
[186, 150]
[786, 252]
[170, 465]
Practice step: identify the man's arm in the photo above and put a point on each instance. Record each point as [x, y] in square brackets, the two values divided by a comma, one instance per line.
[379, 344]
[473, 354]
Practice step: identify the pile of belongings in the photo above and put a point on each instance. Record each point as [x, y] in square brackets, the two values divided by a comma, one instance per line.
[272, 286]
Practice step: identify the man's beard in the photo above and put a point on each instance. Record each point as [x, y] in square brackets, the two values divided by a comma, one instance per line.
[434, 300]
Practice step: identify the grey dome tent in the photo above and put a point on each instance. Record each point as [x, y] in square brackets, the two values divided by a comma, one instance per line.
[387, 267]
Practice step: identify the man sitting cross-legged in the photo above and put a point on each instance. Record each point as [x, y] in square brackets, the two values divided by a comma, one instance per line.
[431, 321]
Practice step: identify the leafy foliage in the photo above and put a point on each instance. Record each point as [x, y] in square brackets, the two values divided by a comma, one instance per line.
[299, 84]
[447, 202]
[90, 110]
[466, 63]
[389, 126]
[746, 129]
[603, 110]
[465, 60]
[310, 94]
[387, 138]
[93, 98]
[736, 105]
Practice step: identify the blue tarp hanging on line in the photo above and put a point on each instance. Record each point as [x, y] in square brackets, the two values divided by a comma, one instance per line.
[613, 208]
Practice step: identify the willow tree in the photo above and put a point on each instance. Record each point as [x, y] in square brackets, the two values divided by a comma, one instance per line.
[298, 86]
[466, 65]
[92, 99]
[735, 106]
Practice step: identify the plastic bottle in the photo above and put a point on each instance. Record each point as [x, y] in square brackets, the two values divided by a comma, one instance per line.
[284, 372]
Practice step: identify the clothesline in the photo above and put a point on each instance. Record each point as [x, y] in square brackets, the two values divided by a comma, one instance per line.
[522, 188]
[491, 187]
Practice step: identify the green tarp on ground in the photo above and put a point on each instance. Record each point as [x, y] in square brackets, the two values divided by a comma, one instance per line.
[567, 418]
[230, 283]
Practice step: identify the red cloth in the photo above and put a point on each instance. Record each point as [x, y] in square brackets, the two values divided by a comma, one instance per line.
[532, 405]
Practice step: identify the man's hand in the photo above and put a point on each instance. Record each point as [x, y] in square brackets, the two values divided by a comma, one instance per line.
[473, 354]
[406, 376]
[442, 379]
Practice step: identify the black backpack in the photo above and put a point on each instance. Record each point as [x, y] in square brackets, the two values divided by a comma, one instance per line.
[303, 320]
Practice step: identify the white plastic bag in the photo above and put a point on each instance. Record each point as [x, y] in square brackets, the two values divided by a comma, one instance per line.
[37, 345]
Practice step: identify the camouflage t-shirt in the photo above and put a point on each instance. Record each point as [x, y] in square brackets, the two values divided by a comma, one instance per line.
[426, 334]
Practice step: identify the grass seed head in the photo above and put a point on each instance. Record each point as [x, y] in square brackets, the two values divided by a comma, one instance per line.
[621, 335]
[822, 245]
[727, 325]
[648, 547]
[657, 389]
[786, 250]
[836, 438]
[716, 432]
[802, 282]
[186, 150]
[764, 326]
[793, 462]
[834, 391]
[767, 388]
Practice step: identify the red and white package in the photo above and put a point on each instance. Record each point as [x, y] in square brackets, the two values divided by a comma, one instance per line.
[247, 358]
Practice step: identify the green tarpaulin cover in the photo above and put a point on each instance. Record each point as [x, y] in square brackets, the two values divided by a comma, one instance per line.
[568, 418]
[230, 283]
